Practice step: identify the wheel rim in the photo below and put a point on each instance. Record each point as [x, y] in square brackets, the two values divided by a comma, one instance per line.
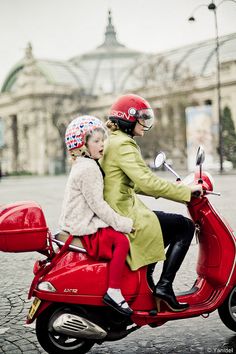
[65, 342]
[232, 304]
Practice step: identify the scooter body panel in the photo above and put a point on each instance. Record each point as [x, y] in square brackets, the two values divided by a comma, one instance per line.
[217, 245]
[80, 279]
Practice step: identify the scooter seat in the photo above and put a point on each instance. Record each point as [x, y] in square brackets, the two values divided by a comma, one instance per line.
[75, 245]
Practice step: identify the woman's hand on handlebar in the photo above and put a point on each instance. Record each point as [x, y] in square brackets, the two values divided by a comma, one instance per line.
[196, 190]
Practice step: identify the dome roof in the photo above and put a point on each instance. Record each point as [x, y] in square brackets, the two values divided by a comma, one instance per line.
[114, 68]
[99, 71]
[106, 66]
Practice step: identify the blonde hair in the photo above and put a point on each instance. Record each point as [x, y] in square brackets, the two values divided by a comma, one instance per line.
[83, 151]
[112, 125]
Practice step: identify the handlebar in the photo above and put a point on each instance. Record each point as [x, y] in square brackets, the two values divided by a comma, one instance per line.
[213, 193]
[197, 194]
[198, 178]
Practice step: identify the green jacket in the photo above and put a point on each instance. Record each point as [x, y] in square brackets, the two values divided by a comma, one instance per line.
[125, 174]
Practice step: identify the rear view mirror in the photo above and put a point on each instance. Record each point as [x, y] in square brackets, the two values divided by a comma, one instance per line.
[160, 159]
[200, 156]
[199, 160]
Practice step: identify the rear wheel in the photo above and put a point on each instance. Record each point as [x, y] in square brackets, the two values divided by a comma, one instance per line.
[227, 311]
[54, 342]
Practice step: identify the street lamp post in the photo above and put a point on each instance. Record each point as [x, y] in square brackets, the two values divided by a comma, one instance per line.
[213, 7]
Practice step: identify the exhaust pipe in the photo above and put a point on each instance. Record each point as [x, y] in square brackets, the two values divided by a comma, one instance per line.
[79, 327]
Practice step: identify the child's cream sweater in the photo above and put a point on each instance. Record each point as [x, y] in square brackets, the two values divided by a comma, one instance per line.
[84, 210]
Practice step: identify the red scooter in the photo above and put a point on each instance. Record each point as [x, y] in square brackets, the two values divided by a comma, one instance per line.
[69, 285]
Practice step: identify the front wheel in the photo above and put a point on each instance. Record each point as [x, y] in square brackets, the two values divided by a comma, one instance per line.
[227, 311]
[53, 342]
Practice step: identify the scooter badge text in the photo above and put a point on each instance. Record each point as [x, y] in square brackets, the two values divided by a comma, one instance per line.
[71, 291]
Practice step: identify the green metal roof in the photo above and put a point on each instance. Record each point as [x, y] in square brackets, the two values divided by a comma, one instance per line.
[55, 72]
[113, 68]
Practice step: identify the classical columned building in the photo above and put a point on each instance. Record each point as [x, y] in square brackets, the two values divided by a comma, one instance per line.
[39, 97]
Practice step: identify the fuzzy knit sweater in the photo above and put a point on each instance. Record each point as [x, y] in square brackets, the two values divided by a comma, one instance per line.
[84, 210]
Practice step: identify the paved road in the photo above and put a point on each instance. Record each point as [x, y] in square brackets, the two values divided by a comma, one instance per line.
[197, 335]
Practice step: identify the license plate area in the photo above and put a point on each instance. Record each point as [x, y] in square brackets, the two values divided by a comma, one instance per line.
[34, 307]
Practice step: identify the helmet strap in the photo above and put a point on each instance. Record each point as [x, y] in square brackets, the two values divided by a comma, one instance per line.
[126, 127]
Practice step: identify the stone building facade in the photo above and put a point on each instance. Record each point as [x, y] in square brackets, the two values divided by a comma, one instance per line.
[39, 97]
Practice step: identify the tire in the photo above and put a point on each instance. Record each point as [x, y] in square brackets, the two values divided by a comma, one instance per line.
[227, 311]
[57, 343]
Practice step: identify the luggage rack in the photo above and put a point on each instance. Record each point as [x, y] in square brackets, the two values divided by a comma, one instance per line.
[71, 247]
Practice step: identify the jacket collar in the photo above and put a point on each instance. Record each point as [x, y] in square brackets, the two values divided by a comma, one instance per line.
[119, 132]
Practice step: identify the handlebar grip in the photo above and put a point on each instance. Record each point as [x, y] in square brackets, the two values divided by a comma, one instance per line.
[213, 193]
[196, 194]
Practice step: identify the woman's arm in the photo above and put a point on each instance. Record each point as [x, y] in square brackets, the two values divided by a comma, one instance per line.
[131, 162]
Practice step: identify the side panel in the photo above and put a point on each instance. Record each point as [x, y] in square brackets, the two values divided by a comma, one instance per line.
[216, 259]
[78, 275]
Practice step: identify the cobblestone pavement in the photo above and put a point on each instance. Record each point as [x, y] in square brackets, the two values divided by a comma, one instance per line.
[197, 335]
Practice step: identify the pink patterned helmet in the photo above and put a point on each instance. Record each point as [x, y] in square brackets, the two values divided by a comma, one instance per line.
[79, 128]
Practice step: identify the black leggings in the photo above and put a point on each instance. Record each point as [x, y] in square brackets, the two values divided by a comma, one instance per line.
[175, 228]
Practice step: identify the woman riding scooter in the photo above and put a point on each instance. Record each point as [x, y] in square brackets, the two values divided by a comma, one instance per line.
[127, 174]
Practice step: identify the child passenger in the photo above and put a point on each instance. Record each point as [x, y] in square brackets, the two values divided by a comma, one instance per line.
[84, 211]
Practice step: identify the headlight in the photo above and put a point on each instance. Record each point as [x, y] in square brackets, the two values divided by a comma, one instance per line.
[46, 286]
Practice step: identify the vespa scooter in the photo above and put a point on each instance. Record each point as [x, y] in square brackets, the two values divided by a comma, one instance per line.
[69, 285]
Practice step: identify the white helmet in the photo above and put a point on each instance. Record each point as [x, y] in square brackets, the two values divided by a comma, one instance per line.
[79, 129]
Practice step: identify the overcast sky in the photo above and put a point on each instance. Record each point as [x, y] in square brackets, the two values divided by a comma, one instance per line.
[61, 29]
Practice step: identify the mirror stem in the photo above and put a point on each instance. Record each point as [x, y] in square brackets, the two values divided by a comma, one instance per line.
[200, 175]
[171, 170]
